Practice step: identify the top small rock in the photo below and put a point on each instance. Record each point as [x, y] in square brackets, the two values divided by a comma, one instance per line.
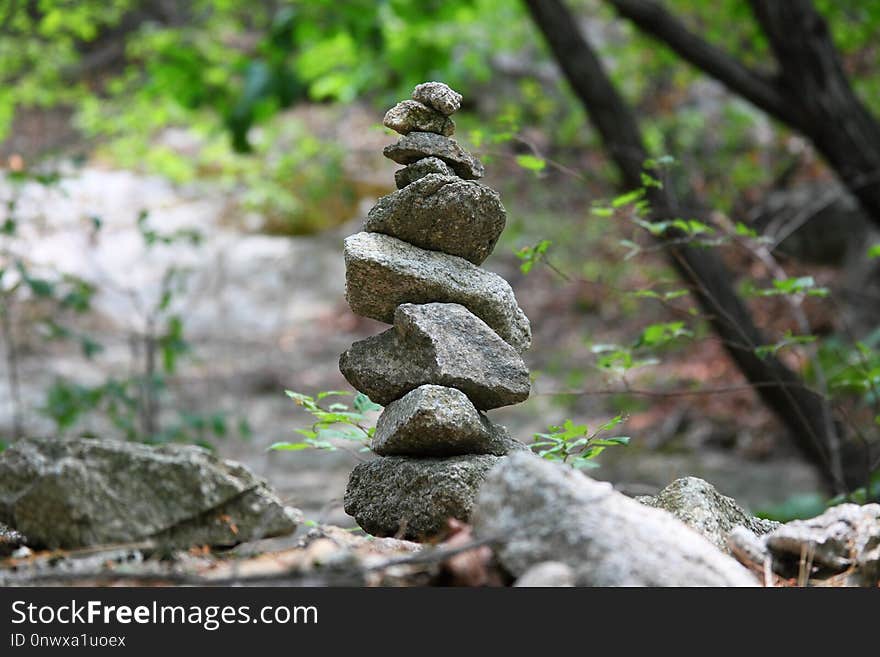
[439, 96]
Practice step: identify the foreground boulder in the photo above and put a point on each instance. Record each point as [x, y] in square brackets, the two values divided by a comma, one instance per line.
[442, 344]
[442, 213]
[382, 272]
[82, 492]
[538, 511]
[413, 498]
[701, 507]
[438, 421]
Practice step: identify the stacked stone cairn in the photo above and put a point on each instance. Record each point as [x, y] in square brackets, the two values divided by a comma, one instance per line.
[458, 334]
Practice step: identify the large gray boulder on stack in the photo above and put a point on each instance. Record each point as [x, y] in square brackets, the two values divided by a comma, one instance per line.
[417, 145]
[382, 272]
[701, 507]
[413, 498]
[437, 421]
[441, 344]
[539, 511]
[412, 116]
[439, 96]
[80, 492]
[442, 213]
[419, 169]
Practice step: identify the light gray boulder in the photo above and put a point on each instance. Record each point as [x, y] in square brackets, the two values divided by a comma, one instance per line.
[539, 511]
[439, 96]
[438, 421]
[80, 492]
[413, 498]
[440, 344]
[412, 116]
[417, 145]
[442, 213]
[382, 272]
[701, 507]
[545, 575]
[419, 169]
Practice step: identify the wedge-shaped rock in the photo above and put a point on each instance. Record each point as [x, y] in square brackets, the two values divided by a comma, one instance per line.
[418, 145]
[81, 492]
[441, 344]
[437, 421]
[442, 213]
[382, 272]
[439, 96]
[413, 498]
[419, 169]
[411, 116]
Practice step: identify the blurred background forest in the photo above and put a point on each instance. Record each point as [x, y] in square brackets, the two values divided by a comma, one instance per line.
[693, 199]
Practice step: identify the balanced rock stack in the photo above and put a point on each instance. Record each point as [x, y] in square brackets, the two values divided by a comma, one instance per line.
[458, 334]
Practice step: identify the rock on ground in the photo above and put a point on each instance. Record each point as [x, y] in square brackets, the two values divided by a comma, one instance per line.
[419, 169]
[442, 344]
[546, 574]
[412, 116]
[81, 492]
[442, 213]
[413, 498]
[382, 272]
[418, 145]
[439, 96]
[701, 507]
[539, 511]
[10, 540]
[438, 421]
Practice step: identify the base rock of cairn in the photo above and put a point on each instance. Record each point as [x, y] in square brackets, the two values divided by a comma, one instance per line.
[458, 333]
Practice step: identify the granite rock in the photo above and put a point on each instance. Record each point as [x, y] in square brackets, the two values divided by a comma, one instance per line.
[439, 96]
[419, 169]
[383, 272]
[412, 116]
[418, 145]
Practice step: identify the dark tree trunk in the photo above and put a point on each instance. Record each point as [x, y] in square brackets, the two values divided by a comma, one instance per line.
[809, 91]
[801, 410]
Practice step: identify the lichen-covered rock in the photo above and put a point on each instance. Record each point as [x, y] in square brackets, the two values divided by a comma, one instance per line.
[442, 344]
[541, 511]
[10, 540]
[701, 507]
[382, 272]
[442, 213]
[412, 116]
[80, 492]
[438, 421]
[419, 169]
[413, 498]
[418, 145]
[439, 96]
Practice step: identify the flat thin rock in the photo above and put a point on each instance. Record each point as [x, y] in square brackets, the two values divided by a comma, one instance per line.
[413, 498]
[700, 506]
[419, 169]
[418, 145]
[81, 492]
[439, 96]
[539, 511]
[442, 344]
[382, 272]
[438, 421]
[442, 213]
[412, 116]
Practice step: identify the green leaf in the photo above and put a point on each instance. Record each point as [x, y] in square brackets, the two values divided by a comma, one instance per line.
[531, 163]
[288, 447]
[874, 251]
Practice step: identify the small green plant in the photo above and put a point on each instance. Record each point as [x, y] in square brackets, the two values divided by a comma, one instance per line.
[332, 421]
[575, 445]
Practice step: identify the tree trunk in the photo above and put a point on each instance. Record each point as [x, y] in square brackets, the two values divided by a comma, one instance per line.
[804, 413]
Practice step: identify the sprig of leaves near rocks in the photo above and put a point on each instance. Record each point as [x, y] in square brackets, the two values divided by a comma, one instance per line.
[570, 443]
[333, 421]
[575, 445]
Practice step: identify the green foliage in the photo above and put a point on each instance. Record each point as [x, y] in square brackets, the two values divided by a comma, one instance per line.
[789, 286]
[575, 445]
[332, 422]
[531, 255]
